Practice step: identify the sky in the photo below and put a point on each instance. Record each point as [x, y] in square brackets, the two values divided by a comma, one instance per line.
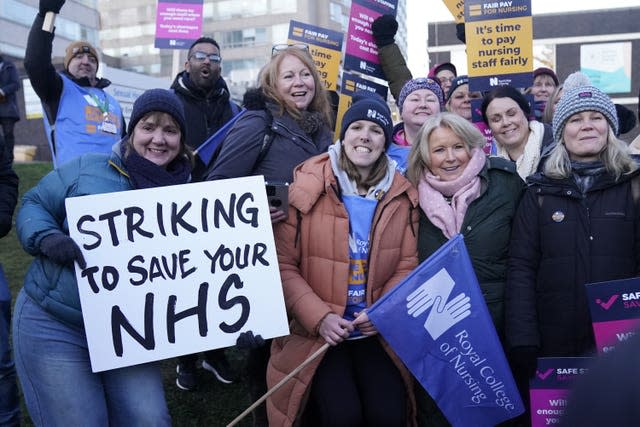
[421, 11]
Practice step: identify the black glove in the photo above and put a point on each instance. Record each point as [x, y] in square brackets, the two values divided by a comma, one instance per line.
[248, 341]
[50, 6]
[524, 360]
[61, 249]
[384, 29]
[460, 34]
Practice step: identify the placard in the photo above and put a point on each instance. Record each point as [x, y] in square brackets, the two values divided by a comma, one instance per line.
[499, 37]
[176, 270]
[325, 47]
[178, 23]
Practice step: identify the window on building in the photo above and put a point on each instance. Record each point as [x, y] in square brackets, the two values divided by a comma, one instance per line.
[243, 38]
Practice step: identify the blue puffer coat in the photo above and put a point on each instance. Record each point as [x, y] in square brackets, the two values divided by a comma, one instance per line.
[52, 285]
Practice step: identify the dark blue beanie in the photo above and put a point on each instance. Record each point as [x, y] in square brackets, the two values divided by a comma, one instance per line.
[371, 107]
[158, 100]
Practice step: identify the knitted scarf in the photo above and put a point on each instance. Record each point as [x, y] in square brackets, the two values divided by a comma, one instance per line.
[146, 174]
[433, 194]
[527, 163]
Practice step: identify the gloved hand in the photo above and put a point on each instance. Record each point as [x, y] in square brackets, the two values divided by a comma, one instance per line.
[524, 360]
[384, 29]
[460, 33]
[248, 341]
[61, 249]
[50, 6]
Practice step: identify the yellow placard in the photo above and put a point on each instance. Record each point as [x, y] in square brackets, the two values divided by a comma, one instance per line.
[497, 47]
[456, 7]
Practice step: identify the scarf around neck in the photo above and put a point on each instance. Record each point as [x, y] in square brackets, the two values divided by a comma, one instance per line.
[146, 174]
[433, 194]
[527, 163]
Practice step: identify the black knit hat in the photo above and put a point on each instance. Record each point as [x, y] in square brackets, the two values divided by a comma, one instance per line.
[158, 100]
[370, 107]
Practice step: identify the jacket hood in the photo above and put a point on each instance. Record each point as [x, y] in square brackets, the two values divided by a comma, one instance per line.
[254, 99]
[315, 177]
[183, 85]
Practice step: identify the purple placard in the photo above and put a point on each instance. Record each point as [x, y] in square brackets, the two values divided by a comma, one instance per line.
[549, 387]
[361, 53]
[178, 24]
[615, 311]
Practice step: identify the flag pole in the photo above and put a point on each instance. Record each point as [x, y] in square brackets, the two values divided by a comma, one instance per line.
[280, 384]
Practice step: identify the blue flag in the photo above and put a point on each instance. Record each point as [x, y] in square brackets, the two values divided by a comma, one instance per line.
[437, 322]
[207, 148]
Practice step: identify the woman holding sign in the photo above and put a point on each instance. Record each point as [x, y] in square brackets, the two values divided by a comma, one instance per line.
[461, 190]
[578, 223]
[52, 357]
[349, 238]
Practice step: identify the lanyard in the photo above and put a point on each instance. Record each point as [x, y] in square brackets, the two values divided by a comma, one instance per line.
[103, 106]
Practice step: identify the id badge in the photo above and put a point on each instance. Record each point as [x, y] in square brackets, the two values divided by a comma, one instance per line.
[109, 127]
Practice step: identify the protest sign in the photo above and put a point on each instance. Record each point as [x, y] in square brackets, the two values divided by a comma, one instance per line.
[178, 23]
[615, 311]
[351, 83]
[175, 270]
[437, 322]
[499, 37]
[550, 386]
[456, 7]
[361, 53]
[325, 47]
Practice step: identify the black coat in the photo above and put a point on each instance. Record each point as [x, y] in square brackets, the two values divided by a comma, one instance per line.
[486, 229]
[10, 84]
[562, 240]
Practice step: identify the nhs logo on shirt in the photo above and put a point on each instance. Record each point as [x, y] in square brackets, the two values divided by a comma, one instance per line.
[437, 322]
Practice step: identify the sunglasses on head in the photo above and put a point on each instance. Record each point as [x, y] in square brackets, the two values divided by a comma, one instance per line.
[278, 48]
[201, 56]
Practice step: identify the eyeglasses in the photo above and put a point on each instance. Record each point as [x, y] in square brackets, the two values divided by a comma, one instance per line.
[201, 56]
[443, 80]
[81, 49]
[278, 48]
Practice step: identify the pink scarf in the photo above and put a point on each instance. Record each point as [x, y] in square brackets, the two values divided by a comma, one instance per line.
[463, 190]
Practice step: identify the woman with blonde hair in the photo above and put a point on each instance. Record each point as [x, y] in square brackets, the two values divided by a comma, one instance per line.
[462, 191]
[578, 223]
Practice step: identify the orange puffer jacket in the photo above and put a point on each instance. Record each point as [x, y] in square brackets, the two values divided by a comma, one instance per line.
[313, 255]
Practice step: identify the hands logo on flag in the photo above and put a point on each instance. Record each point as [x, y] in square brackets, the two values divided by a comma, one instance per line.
[434, 292]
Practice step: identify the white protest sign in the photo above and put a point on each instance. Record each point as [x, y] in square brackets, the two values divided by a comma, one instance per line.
[176, 270]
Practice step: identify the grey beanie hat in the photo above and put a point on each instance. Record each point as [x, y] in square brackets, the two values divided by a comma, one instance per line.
[579, 99]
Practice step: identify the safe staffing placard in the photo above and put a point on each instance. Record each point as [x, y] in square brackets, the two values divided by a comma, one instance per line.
[499, 37]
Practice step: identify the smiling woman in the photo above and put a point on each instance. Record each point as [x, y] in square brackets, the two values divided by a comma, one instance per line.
[355, 192]
[463, 191]
[153, 154]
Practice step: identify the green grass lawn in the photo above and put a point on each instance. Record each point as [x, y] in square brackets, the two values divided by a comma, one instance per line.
[213, 404]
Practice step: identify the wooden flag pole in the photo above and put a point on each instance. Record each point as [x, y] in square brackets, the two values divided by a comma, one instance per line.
[280, 384]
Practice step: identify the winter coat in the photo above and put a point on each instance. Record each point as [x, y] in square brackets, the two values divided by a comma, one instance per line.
[487, 231]
[394, 68]
[313, 255]
[51, 285]
[8, 194]
[290, 145]
[205, 112]
[562, 240]
[10, 84]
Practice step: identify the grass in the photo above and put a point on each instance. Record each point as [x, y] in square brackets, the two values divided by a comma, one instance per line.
[212, 404]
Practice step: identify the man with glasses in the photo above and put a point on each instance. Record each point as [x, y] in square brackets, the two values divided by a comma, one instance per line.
[80, 117]
[207, 107]
[204, 95]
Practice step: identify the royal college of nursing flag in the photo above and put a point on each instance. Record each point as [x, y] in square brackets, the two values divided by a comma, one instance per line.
[437, 322]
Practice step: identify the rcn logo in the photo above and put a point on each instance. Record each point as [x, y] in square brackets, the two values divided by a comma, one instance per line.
[607, 304]
[434, 294]
[493, 81]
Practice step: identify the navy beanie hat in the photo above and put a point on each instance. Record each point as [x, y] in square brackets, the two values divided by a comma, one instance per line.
[456, 83]
[579, 99]
[370, 107]
[158, 100]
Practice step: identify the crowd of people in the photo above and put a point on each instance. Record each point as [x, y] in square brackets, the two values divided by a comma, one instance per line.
[554, 206]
